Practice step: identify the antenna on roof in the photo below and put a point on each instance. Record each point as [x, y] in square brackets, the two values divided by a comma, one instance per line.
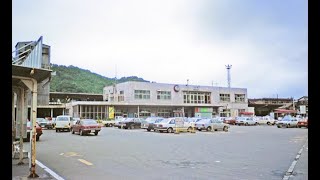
[115, 77]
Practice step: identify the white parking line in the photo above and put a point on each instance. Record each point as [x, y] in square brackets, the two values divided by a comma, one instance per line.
[55, 175]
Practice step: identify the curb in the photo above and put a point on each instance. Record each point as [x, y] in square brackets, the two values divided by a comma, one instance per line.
[289, 172]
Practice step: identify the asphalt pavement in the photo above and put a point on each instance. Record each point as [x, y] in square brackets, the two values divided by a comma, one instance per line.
[22, 172]
[299, 168]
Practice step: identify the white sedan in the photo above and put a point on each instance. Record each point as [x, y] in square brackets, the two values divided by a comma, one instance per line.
[287, 121]
[246, 121]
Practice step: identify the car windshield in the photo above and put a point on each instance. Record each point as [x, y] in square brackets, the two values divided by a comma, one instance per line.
[194, 119]
[204, 120]
[89, 122]
[150, 120]
[286, 118]
[158, 120]
[40, 119]
[166, 120]
[62, 119]
[127, 120]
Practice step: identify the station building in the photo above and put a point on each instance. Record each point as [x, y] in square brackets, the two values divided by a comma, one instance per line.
[143, 99]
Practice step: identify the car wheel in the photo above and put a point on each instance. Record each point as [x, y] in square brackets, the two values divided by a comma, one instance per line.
[246, 124]
[131, 126]
[268, 123]
[288, 125]
[189, 129]
[37, 138]
[96, 133]
[81, 132]
[148, 129]
[56, 130]
[279, 126]
[170, 130]
[209, 128]
[225, 129]
[72, 130]
[256, 123]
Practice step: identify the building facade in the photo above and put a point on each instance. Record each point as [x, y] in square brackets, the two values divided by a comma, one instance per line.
[143, 99]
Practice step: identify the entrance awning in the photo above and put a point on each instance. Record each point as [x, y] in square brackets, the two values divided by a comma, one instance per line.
[246, 113]
[285, 111]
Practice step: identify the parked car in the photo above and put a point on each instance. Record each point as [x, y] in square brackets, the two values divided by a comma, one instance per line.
[108, 123]
[53, 121]
[148, 124]
[246, 121]
[44, 123]
[86, 126]
[210, 124]
[287, 121]
[130, 123]
[170, 124]
[193, 120]
[117, 121]
[74, 120]
[230, 120]
[63, 122]
[268, 120]
[221, 118]
[38, 131]
[303, 123]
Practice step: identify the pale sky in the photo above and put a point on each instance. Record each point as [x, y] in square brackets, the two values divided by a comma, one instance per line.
[170, 41]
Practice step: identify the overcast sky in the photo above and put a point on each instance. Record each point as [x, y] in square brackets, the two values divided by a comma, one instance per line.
[170, 41]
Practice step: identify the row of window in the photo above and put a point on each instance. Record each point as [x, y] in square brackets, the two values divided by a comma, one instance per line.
[189, 97]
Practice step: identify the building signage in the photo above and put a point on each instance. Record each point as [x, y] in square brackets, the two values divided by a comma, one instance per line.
[111, 112]
[302, 109]
[204, 110]
[179, 122]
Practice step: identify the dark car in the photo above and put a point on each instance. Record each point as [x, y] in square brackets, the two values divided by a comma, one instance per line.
[130, 123]
[86, 126]
[148, 124]
[44, 123]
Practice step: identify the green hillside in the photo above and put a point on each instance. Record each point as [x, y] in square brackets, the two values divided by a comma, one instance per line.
[77, 80]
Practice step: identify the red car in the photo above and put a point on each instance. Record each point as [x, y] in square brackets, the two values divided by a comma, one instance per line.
[303, 123]
[230, 120]
[38, 130]
[86, 126]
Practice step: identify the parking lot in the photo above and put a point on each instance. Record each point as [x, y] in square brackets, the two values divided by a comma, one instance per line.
[245, 152]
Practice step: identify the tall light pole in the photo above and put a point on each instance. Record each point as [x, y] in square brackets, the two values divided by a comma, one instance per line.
[228, 71]
[229, 83]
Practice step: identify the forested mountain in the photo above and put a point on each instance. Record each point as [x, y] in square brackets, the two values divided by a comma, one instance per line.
[77, 80]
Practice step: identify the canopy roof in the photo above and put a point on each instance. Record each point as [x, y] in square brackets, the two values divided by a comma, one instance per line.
[285, 111]
[246, 113]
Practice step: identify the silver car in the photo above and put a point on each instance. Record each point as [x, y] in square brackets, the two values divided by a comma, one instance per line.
[246, 121]
[148, 124]
[287, 121]
[210, 124]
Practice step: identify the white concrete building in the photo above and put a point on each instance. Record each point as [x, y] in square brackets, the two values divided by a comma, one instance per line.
[143, 99]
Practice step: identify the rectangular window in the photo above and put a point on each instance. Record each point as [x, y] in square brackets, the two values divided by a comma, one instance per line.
[225, 97]
[164, 113]
[142, 94]
[164, 95]
[240, 97]
[194, 97]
